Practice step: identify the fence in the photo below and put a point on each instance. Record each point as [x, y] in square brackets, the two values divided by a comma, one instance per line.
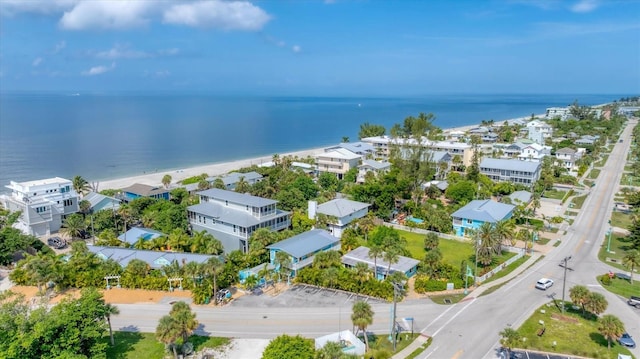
[519, 254]
[426, 231]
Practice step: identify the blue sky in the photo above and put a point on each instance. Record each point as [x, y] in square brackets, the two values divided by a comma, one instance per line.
[316, 47]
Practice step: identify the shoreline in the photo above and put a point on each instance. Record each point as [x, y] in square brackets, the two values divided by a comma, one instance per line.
[221, 168]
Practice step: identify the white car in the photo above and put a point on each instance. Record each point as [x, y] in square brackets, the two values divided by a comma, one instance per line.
[544, 283]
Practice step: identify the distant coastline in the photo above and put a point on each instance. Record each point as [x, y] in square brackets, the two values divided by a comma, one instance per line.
[106, 138]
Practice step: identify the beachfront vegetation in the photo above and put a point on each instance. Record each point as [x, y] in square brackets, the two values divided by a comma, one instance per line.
[14, 245]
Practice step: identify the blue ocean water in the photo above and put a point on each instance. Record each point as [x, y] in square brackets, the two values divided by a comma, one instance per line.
[107, 136]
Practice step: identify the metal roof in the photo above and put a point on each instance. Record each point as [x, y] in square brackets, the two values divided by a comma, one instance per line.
[135, 233]
[341, 207]
[235, 197]
[230, 215]
[144, 190]
[375, 164]
[521, 196]
[155, 259]
[484, 210]
[361, 255]
[305, 243]
[510, 165]
[234, 177]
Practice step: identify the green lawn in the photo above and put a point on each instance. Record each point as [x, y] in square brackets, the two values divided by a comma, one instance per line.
[578, 201]
[621, 220]
[571, 334]
[629, 180]
[594, 173]
[551, 193]
[450, 298]
[510, 268]
[453, 252]
[382, 342]
[623, 287]
[135, 345]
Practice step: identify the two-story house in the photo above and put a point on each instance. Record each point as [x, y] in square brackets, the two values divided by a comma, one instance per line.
[383, 146]
[567, 157]
[534, 152]
[337, 161]
[371, 166]
[340, 211]
[365, 150]
[477, 212]
[232, 217]
[44, 204]
[510, 170]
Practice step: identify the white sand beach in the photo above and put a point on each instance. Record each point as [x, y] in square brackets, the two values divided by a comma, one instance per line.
[216, 169]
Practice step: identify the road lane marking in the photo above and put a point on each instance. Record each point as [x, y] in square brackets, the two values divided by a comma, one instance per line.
[457, 354]
[433, 351]
[452, 318]
[437, 318]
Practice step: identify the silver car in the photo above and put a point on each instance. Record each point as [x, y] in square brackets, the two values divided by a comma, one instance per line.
[544, 283]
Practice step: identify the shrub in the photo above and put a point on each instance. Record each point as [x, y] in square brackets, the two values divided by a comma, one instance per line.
[605, 279]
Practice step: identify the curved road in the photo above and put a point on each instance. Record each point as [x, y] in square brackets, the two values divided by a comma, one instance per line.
[468, 329]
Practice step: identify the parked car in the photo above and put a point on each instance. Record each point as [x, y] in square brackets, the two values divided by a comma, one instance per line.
[544, 283]
[56, 242]
[627, 341]
[634, 301]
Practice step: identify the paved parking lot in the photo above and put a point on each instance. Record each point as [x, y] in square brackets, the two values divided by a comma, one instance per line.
[301, 295]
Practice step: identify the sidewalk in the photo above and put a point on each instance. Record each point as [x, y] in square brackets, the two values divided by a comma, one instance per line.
[538, 252]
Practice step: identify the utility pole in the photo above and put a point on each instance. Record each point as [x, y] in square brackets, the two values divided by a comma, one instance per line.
[564, 279]
[394, 327]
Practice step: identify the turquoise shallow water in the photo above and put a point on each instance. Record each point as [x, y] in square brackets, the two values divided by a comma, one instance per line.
[102, 136]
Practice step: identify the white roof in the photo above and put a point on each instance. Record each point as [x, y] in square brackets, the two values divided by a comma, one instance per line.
[340, 153]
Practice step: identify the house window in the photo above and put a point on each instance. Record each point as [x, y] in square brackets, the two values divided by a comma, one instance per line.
[469, 221]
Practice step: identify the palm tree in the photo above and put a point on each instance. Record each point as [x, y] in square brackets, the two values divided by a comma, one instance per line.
[362, 272]
[486, 241]
[251, 281]
[596, 303]
[610, 327]
[362, 317]
[242, 186]
[214, 267]
[73, 226]
[375, 252]
[178, 240]
[509, 339]
[80, 185]
[431, 241]
[367, 224]
[631, 260]
[109, 310]
[166, 180]
[283, 262]
[167, 332]
[504, 230]
[184, 318]
[432, 260]
[579, 295]
[41, 269]
[391, 255]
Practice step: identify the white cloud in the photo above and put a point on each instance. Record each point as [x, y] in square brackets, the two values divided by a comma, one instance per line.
[14, 7]
[296, 48]
[37, 62]
[584, 6]
[120, 51]
[99, 14]
[59, 46]
[228, 15]
[98, 70]
[125, 14]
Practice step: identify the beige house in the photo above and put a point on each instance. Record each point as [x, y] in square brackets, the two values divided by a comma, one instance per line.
[337, 161]
[384, 144]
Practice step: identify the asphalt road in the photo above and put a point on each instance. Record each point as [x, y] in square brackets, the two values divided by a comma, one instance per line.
[471, 330]
[468, 329]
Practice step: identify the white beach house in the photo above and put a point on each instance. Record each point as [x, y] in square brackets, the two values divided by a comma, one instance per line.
[44, 204]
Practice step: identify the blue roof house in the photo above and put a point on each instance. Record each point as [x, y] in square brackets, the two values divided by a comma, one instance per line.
[477, 212]
[134, 234]
[99, 202]
[138, 190]
[303, 247]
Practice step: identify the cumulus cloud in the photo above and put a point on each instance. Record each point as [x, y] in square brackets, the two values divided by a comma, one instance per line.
[228, 15]
[14, 7]
[584, 6]
[121, 14]
[107, 15]
[37, 61]
[98, 70]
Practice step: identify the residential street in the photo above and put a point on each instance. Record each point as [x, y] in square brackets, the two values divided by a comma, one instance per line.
[468, 329]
